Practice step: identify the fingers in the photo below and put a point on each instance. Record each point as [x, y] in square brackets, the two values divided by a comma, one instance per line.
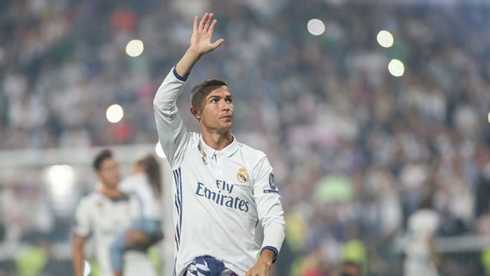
[203, 21]
[208, 22]
[217, 43]
[213, 25]
[257, 272]
[196, 22]
[253, 273]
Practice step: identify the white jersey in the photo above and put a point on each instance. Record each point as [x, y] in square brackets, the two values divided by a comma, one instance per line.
[219, 196]
[103, 219]
[146, 201]
[422, 226]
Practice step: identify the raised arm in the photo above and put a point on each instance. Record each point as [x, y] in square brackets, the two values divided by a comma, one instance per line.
[171, 130]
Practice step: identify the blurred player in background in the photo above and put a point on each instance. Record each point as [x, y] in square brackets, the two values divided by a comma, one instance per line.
[421, 257]
[349, 268]
[103, 215]
[222, 188]
[145, 186]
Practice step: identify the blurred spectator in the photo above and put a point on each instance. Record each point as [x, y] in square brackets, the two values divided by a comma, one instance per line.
[421, 257]
[350, 269]
[324, 107]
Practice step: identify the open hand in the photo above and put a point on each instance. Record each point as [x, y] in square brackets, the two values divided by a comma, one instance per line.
[202, 34]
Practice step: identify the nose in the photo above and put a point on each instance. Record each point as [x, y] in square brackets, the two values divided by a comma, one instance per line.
[226, 106]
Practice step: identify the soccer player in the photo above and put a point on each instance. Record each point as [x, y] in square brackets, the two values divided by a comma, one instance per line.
[146, 188]
[421, 256]
[103, 214]
[222, 188]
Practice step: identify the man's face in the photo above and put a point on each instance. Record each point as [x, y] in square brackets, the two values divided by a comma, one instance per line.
[109, 173]
[217, 110]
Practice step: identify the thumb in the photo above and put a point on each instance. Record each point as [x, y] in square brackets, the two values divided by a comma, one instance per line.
[217, 43]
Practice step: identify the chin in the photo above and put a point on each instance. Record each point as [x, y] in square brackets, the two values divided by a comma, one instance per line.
[227, 125]
[224, 128]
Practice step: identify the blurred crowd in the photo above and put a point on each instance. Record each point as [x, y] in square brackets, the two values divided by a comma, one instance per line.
[354, 148]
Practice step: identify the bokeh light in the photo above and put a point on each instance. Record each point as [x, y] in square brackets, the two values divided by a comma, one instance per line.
[385, 39]
[396, 68]
[114, 113]
[60, 180]
[316, 27]
[135, 48]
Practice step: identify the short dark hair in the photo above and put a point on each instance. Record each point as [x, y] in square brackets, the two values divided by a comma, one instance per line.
[200, 91]
[100, 157]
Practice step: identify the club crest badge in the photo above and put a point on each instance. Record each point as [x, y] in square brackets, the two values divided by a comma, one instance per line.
[242, 175]
[272, 181]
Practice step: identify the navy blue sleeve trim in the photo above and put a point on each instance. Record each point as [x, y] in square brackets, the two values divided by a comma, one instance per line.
[273, 249]
[179, 77]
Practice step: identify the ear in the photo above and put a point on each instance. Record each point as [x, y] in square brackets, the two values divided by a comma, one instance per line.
[195, 112]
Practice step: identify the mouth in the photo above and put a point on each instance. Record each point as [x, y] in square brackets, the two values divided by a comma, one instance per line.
[226, 117]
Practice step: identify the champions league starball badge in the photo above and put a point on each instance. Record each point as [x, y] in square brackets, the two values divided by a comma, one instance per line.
[272, 181]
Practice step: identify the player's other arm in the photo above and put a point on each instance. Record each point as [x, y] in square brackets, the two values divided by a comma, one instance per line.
[78, 255]
[271, 214]
[81, 231]
[171, 130]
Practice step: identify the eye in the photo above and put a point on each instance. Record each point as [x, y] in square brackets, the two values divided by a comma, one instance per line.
[229, 100]
[214, 100]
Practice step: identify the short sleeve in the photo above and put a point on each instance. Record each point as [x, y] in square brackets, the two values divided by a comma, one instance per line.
[424, 223]
[83, 225]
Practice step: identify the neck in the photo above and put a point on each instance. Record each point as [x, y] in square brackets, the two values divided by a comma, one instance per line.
[217, 141]
[112, 193]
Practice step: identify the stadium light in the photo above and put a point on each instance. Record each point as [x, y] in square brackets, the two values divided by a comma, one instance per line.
[61, 179]
[489, 117]
[396, 68]
[316, 27]
[159, 150]
[385, 39]
[135, 48]
[114, 113]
